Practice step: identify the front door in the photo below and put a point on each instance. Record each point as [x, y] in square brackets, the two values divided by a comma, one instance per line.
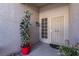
[57, 30]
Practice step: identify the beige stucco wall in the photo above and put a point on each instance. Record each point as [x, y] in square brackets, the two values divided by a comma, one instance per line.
[74, 23]
[10, 17]
[54, 10]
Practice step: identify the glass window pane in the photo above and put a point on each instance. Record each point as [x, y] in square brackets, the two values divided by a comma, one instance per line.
[44, 28]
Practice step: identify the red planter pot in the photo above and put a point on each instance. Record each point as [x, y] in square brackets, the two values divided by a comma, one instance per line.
[26, 50]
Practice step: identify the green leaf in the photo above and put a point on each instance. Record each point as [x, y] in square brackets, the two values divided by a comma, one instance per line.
[24, 27]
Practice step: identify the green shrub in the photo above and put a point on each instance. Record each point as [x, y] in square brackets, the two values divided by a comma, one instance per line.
[68, 51]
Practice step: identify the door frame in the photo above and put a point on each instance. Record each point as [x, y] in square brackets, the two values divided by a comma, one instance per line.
[48, 40]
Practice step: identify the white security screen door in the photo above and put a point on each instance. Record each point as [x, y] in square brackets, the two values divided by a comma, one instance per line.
[57, 30]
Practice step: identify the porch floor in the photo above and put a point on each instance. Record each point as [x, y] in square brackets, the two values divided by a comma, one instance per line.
[42, 49]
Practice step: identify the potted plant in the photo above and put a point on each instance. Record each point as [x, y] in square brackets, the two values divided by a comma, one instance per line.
[25, 35]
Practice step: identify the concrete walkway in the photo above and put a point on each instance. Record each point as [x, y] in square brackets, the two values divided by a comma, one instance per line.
[42, 49]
